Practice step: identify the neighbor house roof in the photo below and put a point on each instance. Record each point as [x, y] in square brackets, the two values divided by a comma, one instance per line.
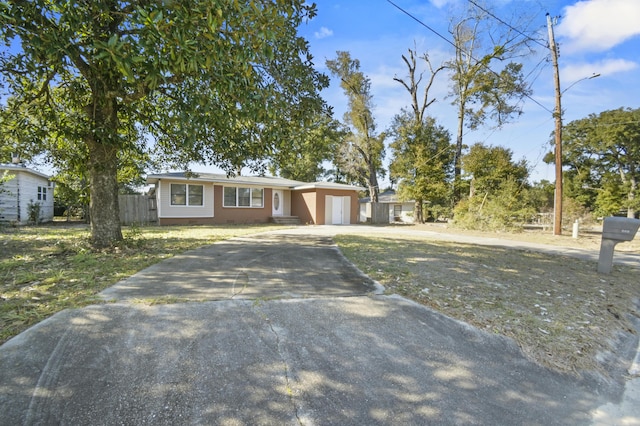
[268, 181]
[388, 196]
[22, 168]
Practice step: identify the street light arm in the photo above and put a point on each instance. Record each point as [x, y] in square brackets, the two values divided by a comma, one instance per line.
[582, 79]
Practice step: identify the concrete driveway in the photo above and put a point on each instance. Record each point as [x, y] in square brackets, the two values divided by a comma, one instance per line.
[280, 330]
[262, 266]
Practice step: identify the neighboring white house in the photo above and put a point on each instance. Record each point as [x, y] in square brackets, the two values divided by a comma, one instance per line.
[399, 211]
[25, 187]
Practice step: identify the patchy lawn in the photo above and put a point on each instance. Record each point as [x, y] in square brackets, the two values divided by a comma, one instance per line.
[561, 312]
[46, 269]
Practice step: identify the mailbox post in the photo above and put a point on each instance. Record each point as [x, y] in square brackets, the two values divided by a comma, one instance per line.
[614, 230]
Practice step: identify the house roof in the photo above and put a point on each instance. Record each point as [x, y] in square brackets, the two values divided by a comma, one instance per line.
[329, 185]
[267, 181]
[22, 168]
[388, 196]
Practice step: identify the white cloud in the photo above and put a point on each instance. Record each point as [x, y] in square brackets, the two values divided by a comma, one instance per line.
[597, 25]
[323, 33]
[440, 3]
[606, 68]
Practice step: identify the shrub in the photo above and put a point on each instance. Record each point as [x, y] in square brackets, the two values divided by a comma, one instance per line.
[33, 210]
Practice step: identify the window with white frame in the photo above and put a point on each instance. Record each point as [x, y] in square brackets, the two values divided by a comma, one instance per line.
[235, 196]
[42, 193]
[187, 195]
[195, 194]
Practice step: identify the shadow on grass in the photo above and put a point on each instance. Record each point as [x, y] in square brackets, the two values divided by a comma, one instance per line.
[561, 312]
[49, 268]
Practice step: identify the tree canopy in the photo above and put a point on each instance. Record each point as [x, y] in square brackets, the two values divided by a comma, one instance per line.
[360, 155]
[309, 149]
[422, 161]
[602, 153]
[479, 92]
[499, 195]
[487, 167]
[104, 81]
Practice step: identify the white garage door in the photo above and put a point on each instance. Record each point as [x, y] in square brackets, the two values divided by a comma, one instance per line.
[338, 210]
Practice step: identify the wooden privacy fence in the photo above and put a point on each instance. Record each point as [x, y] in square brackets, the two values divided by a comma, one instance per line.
[379, 213]
[138, 209]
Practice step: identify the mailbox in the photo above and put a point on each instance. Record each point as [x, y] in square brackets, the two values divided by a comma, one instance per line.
[614, 230]
[620, 228]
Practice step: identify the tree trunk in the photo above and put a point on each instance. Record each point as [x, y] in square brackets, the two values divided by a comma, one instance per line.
[103, 146]
[373, 182]
[457, 163]
[633, 188]
[418, 216]
[104, 210]
[631, 196]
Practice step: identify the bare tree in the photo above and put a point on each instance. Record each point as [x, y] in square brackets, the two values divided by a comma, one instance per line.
[416, 148]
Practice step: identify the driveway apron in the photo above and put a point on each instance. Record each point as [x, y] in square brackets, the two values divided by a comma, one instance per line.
[275, 330]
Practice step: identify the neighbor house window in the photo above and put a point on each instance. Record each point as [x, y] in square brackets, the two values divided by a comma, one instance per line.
[42, 193]
[243, 197]
[186, 195]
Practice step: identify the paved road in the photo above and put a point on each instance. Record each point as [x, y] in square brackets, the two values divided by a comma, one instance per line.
[276, 329]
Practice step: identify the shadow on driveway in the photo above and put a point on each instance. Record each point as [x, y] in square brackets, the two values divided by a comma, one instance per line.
[259, 267]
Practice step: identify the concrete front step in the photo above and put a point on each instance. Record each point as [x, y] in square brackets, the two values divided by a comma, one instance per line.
[285, 220]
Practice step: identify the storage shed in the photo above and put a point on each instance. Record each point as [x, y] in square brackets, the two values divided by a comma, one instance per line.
[26, 190]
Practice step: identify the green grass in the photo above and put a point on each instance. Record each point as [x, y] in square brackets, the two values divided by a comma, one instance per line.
[46, 269]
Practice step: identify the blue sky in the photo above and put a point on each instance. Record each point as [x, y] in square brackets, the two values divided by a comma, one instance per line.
[595, 36]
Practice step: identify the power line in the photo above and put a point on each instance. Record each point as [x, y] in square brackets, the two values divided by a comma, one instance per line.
[456, 47]
[423, 24]
[507, 24]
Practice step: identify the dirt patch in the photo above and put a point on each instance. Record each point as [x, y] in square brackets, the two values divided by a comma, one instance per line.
[560, 311]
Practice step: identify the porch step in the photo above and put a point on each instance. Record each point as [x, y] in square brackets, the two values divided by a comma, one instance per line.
[285, 220]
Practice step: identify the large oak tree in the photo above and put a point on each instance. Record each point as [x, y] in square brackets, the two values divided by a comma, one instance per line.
[602, 154]
[310, 149]
[203, 81]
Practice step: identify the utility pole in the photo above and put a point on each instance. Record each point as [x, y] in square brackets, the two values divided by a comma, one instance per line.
[557, 205]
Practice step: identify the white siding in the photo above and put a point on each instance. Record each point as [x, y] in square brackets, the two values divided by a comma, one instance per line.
[365, 212]
[166, 210]
[22, 191]
[406, 214]
[9, 199]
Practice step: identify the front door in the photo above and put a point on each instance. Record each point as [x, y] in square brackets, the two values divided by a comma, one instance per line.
[277, 204]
